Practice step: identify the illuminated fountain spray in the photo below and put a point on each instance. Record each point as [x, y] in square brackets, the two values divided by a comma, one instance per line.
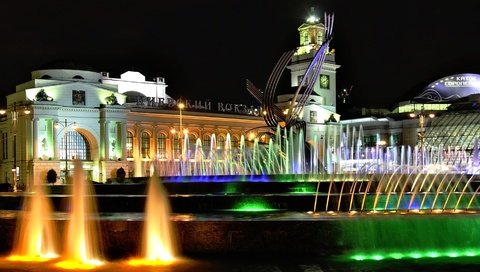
[341, 151]
[35, 235]
[82, 247]
[251, 157]
[158, 243]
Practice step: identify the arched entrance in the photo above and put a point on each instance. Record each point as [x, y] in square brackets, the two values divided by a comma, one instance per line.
[80, 145]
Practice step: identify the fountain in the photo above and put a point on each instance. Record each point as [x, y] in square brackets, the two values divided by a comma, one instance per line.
[159, 243]
[363, 189]
[37, 239]
[374, 193]
[82, 245]
[35, 236]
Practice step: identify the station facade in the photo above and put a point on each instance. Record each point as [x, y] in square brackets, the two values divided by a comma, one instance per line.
[61, 115]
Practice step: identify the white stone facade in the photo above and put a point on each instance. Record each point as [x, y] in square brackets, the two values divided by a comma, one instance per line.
[91, 107]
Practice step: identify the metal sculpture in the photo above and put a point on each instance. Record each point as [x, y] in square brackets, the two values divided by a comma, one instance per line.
[272, 114]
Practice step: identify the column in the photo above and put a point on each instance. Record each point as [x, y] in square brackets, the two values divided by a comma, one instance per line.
[137, 148]
[169, 144]
[155, 129]
[107, 139]
[57, 142]
[137, 138]
[35, 138]
[123, 141]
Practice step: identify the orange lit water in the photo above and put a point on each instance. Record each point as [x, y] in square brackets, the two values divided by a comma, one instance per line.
[82, 246]
[159, 243]
[35, 239]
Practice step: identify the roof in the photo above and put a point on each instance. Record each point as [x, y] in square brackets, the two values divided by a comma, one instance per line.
[450, 88]
[67, 65]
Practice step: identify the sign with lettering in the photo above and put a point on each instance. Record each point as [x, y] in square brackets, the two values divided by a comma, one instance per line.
[450, 88]
[198, 105]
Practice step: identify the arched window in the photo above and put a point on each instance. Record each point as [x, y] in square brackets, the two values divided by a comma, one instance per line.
[220, 142]
[319, 38]
[176, 146]
[129, 145]
[306, 38]
[192, 140]
[78, 77]
[206, 143]
[162, 146]
[45, 77]
[235, 143]
[74, 146]
[145, 145]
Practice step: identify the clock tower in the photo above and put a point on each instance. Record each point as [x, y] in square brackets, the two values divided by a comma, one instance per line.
[311, 38]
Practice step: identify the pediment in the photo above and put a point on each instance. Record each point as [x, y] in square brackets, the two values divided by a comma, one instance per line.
[79, 94]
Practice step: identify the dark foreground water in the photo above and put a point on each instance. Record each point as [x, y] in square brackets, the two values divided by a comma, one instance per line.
[305, 252]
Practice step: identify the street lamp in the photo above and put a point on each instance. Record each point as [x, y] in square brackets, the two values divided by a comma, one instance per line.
[181, 106]
[14, 111]
[421, 123]
[65, 126]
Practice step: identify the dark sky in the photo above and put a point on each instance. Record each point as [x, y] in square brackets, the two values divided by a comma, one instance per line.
[388, 50]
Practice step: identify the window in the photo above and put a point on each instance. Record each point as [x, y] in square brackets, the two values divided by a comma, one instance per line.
[206, 143]
[176, 146]
[162, 146]
[129, 145]
[306, 39]
[319, 38]
[145, 145]
[395, 139]
[78, 77]
[220, 145]
[313, 117]
[192, 140]
[370, 140]
[235, 143]
[78, 97]
[74, 146]
[220, 142]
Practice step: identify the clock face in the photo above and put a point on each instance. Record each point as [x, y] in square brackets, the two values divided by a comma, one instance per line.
[325, 81]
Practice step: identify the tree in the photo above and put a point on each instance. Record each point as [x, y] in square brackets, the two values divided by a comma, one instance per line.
[121, 175]
[51, 176]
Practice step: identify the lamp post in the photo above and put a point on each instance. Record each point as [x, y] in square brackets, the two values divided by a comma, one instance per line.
[421, 133]
[181, 106]
[14, 129]
[15, 168]
[65, 126]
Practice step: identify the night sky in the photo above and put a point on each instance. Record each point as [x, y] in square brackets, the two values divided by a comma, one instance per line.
[388, 50]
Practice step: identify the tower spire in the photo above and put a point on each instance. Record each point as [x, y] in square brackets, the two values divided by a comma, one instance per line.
[312, 16]
[311, 33]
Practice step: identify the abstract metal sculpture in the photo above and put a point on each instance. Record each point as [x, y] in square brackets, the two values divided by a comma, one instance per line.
[272, 114]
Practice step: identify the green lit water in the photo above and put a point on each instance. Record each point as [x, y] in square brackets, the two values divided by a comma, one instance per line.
[380, 237]
[416, 202]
